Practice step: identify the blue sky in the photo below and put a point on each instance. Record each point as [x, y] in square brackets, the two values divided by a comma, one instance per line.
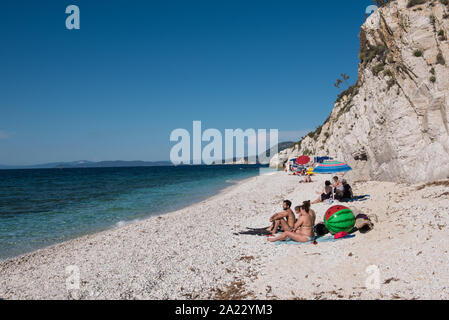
[136, 70]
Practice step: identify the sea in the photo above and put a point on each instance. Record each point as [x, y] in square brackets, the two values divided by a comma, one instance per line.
[42, 207]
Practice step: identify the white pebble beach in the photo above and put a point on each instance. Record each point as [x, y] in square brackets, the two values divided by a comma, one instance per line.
[193, 253]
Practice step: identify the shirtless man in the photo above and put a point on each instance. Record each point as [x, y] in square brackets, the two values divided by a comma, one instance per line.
[303, 228]
[286, 219]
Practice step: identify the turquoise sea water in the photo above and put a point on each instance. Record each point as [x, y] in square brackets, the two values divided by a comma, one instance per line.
[46, 206]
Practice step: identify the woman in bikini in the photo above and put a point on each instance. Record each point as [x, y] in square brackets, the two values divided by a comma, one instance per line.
[303, 228]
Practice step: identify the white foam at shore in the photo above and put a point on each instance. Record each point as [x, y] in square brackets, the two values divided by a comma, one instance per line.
[123, 223]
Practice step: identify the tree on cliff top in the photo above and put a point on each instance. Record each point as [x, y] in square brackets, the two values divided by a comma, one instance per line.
[381, 2]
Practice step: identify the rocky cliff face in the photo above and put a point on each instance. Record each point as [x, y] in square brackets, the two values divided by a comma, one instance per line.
[393, 123]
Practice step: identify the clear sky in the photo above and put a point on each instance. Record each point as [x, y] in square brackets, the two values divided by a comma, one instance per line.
[136, 70]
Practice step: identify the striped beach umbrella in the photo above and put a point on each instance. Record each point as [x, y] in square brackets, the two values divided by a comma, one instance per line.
[332, 166]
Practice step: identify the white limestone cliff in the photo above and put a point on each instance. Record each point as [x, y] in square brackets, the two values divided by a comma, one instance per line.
[392, 125]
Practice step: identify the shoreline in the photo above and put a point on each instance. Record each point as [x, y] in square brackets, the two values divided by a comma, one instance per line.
[192, 253]
[44, 255]
[131, 222]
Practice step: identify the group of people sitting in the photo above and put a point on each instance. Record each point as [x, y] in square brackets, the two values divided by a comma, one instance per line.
[302, 173]
[301, 229]
[340, 191]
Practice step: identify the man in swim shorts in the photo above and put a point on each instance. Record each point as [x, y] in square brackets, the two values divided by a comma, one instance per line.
[303, 228]
[285, 219]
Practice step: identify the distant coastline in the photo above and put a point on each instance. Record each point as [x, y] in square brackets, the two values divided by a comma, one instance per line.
[119, 164]
[89, 164]
[139, 163]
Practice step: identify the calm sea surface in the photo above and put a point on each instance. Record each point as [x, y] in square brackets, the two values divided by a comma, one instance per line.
[46, 206]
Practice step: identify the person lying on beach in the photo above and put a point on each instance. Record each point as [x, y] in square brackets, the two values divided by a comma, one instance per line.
[285, 219]
[326, 194]
[302, 230]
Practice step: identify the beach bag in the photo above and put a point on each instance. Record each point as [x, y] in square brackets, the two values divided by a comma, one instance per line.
[363, 223]
[320, 229]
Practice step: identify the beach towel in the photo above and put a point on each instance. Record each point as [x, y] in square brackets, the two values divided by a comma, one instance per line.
[360, 198]
[319, 239]
[254, 232]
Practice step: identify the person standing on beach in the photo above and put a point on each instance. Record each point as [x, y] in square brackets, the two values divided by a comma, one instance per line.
[285, 219]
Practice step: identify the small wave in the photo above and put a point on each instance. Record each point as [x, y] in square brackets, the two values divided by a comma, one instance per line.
[267, 171]
[124, 223]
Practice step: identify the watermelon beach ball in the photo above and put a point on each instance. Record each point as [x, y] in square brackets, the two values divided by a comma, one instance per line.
[339, 219]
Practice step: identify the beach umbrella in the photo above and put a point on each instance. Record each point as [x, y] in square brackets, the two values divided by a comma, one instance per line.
[302, 160]
[322, 159]
[332, 167]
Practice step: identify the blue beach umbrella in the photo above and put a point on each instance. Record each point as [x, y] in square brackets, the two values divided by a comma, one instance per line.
[332, 167]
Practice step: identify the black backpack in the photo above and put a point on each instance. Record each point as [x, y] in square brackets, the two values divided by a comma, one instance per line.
[320, 229]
